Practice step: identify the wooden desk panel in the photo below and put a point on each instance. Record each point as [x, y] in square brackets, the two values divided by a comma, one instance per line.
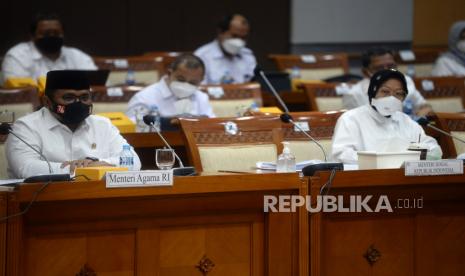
[83, 227]
[411, 241]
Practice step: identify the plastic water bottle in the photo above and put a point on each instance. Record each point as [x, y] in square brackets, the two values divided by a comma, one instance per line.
[227, 78]
[154, 112]
[126, 158]
[295, 73]
[411, 70]
[254, 107]
[140, 112]
[408, 107]
[130, 78]
[286, 160]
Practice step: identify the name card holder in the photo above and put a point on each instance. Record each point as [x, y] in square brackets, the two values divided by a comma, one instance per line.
[433, 167]
[131, 179]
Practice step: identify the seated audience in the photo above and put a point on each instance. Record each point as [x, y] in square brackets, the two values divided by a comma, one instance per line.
[44, 52]
[376, 59]
[64, 131]
[379, 124]
[452, 63]
[177, 93]
[226, 58]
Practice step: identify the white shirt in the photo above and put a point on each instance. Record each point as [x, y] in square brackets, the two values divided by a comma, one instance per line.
[219, 66]
[96, 137]
[358, 94]
[364, 129]
[159, 95]
[447, 66]
[25, 60]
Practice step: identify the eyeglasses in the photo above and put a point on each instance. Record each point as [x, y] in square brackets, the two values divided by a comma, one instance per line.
[385, 92]
[71, 98]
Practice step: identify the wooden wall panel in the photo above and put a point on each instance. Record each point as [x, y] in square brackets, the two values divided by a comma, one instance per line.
[132, 27]
[432, 20]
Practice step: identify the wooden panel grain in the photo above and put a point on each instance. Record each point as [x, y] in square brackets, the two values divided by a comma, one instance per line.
[106, 253]
[432, 20]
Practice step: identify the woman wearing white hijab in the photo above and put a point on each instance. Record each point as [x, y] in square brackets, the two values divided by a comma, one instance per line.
[452, 63]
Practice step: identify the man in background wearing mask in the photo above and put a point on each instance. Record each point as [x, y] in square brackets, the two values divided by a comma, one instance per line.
[380, 126]
[45, 51]
[227, 60]
[64, 131]
[175, 94]
[374, 60]
[452, 63]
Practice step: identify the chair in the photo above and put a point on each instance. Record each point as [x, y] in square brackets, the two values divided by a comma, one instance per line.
[105, 102]
[322, 96]
[319, 125]
[314, 66]
[213, 148]
[445, 94]
[231, 100]
[422, 62]
[454, 123]
[21, 101]
[165, 58]
[146, 69]
[3, 162]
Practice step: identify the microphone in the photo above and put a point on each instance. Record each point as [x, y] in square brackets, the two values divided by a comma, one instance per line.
[425, 121]
[5, 129]
[182, 171]
[287, 118]
[259, 72]
[311, 169]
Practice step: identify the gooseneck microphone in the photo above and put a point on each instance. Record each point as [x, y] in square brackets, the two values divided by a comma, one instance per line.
[259, 72]
[182, 171]
[287, 118]
[424, 121]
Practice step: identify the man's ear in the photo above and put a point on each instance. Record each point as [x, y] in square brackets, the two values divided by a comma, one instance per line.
[366, 72]
[47, 102]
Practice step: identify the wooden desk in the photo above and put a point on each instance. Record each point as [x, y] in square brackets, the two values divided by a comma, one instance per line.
[411, 241]
[83, 227]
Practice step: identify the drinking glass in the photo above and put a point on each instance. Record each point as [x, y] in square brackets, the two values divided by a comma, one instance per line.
[164, 158]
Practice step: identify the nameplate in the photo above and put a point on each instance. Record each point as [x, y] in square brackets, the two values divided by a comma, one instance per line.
[129, 179]
[303, 125]
[436, 167]
[115, 92]
[407, 55]
[216, 91]
[308, 58]
[121, 63]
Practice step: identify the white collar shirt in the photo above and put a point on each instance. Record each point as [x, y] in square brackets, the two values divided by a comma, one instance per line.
[364, 129]
[96, 137]
[160, 95]
[24, 60]
[448, 66]
[221, 68]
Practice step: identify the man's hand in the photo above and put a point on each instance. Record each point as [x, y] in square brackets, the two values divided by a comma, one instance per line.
[424, 110]
[73, 164]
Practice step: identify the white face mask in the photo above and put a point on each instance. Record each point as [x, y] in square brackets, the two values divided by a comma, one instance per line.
[461, 45]
[233, 45]
[387, 106]
[182, 89]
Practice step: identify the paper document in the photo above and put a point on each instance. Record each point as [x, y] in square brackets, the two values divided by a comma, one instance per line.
[299, 166]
